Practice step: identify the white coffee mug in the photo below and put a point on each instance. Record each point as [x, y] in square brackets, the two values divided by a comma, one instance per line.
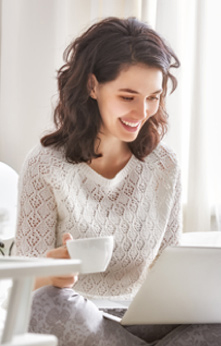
[95, 253]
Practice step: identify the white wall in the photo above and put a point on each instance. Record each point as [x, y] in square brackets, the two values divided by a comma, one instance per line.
[34, 34]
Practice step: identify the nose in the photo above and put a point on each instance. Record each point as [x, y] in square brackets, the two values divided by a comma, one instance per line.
[142, 110]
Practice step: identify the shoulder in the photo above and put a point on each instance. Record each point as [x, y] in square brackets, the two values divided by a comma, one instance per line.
[163, 158]
[165, 154]
[40, 160]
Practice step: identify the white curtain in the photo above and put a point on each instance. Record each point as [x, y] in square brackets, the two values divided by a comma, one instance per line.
[34, 34]
[192, 27]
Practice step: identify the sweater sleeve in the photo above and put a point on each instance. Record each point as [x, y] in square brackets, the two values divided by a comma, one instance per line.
[37, 211]
[173, 231]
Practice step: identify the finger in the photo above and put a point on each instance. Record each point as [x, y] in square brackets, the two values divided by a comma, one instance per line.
[72, 277]
[64, 281]
[66, 237]
[60, 252]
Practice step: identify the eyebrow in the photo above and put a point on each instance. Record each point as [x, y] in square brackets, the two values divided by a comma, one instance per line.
[131, 91]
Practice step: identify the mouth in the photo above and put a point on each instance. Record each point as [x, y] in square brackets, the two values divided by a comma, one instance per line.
[130, 126]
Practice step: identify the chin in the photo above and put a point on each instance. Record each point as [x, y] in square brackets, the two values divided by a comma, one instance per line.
[129, 140]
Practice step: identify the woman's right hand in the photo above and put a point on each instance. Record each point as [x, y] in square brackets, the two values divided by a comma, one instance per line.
[62, 252]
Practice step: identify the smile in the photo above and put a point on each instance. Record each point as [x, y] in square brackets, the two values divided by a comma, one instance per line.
[127, 123]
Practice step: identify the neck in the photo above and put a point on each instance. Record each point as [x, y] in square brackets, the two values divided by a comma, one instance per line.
[115, 155]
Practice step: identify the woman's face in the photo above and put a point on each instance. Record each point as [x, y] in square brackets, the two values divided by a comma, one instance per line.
[127, 102]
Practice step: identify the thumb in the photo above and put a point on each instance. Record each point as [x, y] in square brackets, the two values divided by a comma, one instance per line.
[66, 237]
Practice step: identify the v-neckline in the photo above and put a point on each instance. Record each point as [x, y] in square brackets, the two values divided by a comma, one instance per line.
[118, 177]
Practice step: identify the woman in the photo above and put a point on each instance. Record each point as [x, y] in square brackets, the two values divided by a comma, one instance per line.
[103, 171]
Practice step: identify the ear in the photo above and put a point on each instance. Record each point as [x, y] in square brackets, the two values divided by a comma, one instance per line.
[92, 85]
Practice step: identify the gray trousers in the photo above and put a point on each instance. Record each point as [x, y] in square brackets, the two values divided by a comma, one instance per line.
[76, 321]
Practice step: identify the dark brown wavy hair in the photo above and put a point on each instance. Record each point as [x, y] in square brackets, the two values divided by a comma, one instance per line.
[104, 50]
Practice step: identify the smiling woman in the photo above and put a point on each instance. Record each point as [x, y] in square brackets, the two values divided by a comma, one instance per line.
[103, 171]
[125, 105]
[130, 100]
[91, 67]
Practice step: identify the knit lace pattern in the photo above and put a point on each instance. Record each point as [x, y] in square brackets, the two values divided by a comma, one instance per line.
[140, 207]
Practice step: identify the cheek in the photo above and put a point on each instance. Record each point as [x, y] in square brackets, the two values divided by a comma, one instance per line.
[115, 108]
[154, 108]
[119, 107]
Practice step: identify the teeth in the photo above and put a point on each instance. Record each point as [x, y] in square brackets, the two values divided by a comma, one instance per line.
[130, 124]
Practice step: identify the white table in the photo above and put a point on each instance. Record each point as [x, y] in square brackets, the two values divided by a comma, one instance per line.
[23, 272]
[201, 239]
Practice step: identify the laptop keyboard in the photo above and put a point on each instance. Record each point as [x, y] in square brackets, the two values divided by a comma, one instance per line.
[115, 312]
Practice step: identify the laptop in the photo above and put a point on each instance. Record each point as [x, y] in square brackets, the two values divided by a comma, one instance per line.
[182, 287]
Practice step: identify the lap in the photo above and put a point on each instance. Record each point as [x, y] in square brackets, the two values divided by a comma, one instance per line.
[179, 335]
[193, 334]
[77, 321]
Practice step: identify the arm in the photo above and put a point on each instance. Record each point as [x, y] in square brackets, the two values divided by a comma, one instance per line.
[174, 227]
[37, 211]
[37, 220]
[173, 230]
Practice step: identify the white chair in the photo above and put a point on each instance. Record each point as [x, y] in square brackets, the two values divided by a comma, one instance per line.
[8, 201]
[8, 204]
[23, 272]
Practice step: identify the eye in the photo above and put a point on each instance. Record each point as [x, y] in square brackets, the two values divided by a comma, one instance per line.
[127, 98]
[153, 98]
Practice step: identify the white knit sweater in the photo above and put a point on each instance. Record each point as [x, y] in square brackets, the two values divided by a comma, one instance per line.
[140, 206]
